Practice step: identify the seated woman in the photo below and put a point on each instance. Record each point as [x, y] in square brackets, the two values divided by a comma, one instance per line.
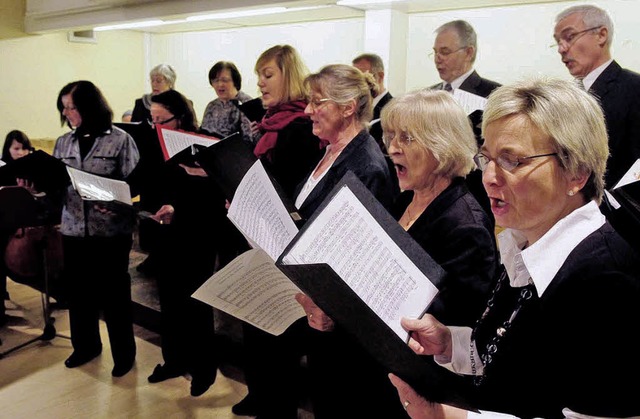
[567, 296]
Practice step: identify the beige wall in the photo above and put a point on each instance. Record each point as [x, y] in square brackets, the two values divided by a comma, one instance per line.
[35, 68]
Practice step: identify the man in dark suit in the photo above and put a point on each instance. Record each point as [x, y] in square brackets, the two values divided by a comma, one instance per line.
[454, 53]
[372, 63]
[583, 35]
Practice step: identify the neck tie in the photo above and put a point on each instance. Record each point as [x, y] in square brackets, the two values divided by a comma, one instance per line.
[447, 87]
[580, 84]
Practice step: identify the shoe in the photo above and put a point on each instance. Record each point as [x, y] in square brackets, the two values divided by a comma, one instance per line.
[200, 385]
[246, 407]
[122, 368]
[80, 358]
[164, 372]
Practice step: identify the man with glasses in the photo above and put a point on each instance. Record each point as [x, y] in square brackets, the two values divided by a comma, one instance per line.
[583, 36]
[454, 53]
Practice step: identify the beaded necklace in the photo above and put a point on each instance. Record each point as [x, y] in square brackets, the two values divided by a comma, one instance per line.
[492, 347]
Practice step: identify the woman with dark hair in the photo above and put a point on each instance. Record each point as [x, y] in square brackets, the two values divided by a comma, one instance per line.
[222, 116]
[96, 241]
[194, 210]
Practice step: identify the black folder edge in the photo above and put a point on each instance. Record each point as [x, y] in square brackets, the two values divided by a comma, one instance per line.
[47, 172]
[626, 219]
[252, 109]
[342, 304]
[228, 161]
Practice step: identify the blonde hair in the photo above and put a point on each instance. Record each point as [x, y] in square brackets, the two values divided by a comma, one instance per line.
[343, 83]
[293, 70]
[434, 120]
[568, 115]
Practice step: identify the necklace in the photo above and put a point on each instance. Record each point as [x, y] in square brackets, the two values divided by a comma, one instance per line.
[493, 345]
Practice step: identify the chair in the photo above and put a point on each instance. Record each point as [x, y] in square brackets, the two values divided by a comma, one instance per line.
[19, 209]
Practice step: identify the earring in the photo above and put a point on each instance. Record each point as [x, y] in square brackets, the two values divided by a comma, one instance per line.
[571, 193]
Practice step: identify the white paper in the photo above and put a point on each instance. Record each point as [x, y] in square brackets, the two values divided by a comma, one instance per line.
[632, 175]
[259, 213]
[176, 141]
[253, 289]
[99, 188]
[347, 237]
[2, 163]
[468, 101]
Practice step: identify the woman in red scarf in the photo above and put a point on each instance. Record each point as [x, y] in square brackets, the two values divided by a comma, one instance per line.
[289, 151]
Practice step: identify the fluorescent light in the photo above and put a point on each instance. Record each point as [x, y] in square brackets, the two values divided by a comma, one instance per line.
[364, 2]
[143, 24]
[239, 13]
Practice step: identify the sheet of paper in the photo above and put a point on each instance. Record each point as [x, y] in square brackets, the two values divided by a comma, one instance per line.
[469, 101]
[99, 188]
[267, 303]
[173, 142]
[2, 163]
[347, 237]
[258, 212]
[632, 175]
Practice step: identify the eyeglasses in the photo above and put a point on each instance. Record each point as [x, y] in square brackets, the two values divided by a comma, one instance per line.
[403, 138]
[569, 39]
[506, 161]
[316, 103]
[444, 52]
[166, 121]
[224, 80]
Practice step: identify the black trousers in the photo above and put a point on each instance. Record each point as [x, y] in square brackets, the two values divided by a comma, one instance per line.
[97, 275]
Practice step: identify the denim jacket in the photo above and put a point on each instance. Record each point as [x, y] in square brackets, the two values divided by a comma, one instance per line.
[114, 154]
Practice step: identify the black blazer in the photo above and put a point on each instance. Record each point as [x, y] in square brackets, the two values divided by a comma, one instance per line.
[456, 232]
[376, 129]
[618, 90]
[575, 346]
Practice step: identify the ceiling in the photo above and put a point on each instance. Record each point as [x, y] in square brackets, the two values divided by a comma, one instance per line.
[44, 16]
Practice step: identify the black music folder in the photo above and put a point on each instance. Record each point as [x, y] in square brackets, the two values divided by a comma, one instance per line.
[334, 296]
[47, 173]
[252, 109]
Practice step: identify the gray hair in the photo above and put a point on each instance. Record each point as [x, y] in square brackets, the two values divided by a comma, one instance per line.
[435, 121]
[466, 33]
[166, 71]
[580, 137]
[592, 17]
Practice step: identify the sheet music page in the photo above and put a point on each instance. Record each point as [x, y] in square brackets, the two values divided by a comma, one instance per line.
[347, 237]
[259, 213]
[632, 175]
[469, 101]
[267, 303]
[99, 188]
[174, 141]
[2, 163]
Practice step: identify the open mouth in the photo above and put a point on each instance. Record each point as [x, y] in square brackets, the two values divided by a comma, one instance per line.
[400, 169]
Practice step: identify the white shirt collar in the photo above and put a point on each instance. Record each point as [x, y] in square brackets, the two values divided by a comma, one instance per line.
[542, 260]
[458, 82]
[378, 98]
[593, 76]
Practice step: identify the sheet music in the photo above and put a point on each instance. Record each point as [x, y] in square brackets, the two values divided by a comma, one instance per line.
[469, 101]
[259, 213]
[99, 188]
[347, 237]
[174, 141]
[2, 163]
[267, 303]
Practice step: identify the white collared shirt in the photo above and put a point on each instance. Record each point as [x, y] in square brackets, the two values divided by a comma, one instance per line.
[378, 98]
[593, 76]
[458, 82]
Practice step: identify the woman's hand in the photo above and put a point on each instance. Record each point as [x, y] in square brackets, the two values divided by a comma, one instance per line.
[418, 407]
[28, 185]
[315, 316]
[255, 131]
[428, 336]
[164, 215]
[194, 171]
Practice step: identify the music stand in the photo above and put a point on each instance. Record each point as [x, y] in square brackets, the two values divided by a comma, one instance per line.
[19, 209]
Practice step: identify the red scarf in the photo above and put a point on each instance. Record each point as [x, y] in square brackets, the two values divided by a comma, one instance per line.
[276, 119]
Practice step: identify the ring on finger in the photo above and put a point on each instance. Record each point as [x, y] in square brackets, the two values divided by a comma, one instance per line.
[406, 404]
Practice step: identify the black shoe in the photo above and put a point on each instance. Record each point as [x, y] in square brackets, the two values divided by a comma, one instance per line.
[120, 369]
[164, 372]
[246, 407]
[199, 385]
[80, 358]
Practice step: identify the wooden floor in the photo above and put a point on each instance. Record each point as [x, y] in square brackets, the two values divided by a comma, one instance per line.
[34, 383]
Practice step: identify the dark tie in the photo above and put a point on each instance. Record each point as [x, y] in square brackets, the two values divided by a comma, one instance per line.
[447, 87]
